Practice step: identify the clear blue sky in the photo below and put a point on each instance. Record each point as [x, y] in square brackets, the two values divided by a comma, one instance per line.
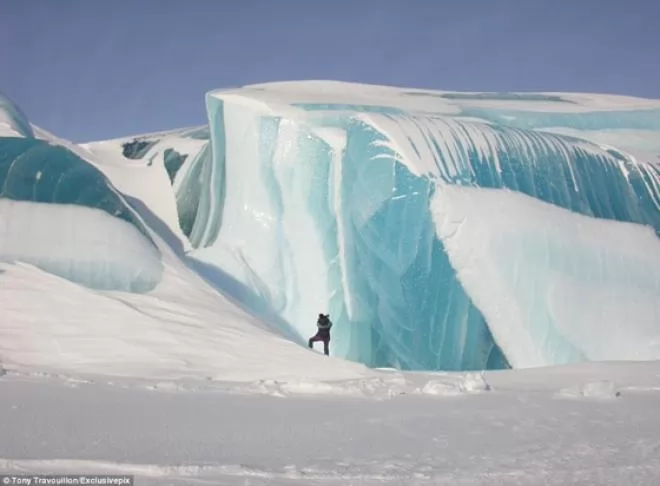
[93, 69]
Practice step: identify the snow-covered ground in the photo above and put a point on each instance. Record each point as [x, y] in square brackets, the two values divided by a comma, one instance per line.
[595, 424]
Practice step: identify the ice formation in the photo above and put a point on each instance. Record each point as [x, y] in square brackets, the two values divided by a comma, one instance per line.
[60, 213]
[440, 230]
[337, 197]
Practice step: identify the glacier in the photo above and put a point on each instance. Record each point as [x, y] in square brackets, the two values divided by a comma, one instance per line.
[441, 230]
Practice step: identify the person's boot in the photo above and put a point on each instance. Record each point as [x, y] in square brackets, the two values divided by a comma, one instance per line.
[326, 348]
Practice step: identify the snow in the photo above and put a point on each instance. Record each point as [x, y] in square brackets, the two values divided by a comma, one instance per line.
[322, 91]
[523, 430]
[132, 177]
[13, 122]
[182, 329]
[435, 238]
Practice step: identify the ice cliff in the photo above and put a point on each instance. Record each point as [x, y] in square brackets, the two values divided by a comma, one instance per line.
[440, 230]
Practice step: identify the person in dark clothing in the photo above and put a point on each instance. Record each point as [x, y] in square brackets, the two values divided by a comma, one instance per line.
[323, 334]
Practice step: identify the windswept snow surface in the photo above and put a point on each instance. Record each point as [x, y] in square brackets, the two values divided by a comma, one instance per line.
[183, 329]
[584, 425]
[156, 292]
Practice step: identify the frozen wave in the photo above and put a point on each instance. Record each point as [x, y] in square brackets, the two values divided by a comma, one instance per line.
[341, 222]
[323, 197]
[60, 213]
[554, 286]
[564, 170]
